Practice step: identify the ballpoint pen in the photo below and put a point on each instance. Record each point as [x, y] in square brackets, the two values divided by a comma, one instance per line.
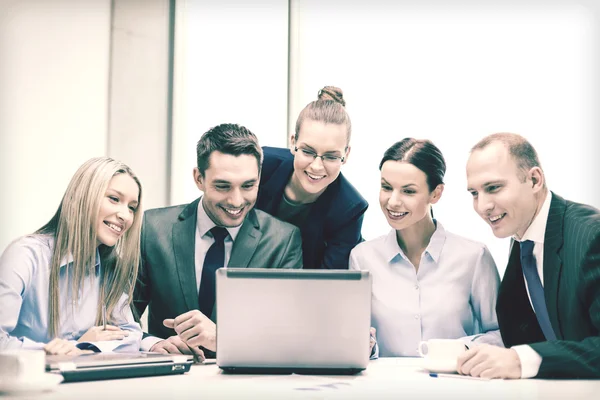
[457, 376]
[103, 316]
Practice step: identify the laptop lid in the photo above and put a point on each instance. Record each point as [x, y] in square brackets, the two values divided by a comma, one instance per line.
[293, 319]
[116, 365]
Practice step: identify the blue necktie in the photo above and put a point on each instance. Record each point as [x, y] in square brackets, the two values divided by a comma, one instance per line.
[536, 290]
[215, 258]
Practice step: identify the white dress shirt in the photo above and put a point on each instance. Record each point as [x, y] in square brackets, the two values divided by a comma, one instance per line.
[452, 295]
[202, 242]
[530, 359]
[24, 294]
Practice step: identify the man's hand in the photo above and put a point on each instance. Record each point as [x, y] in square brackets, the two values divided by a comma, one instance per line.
[372, 339]
[174, 345]
[487, 361]
[195, 329]
[62, 346]
[97, 334]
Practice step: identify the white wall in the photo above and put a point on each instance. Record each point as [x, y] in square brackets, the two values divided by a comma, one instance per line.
[454, 72]
[138, 130]
[450, 71]
[230, 66]
[54, 63]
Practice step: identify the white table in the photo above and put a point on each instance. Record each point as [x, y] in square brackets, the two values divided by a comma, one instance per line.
[386, 378]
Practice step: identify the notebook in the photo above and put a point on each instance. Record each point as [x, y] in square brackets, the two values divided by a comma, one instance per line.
[96, 366]
[284, 321]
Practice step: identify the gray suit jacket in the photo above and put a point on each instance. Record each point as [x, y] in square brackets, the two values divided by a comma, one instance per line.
[571, 290]
[167, 278]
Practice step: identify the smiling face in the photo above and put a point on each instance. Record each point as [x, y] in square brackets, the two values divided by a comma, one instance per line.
[312, 175]
[117, 209]
[404, 197]
[506, 201]
[230, 186]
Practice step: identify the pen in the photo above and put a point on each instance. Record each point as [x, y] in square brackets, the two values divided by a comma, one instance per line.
[104, 317]
[457, 376]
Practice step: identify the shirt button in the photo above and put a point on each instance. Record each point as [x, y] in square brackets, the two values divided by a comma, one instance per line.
[416, 287]
[417, 316]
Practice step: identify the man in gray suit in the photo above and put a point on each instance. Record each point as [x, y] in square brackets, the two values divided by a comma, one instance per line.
[182, 246]
[549, 300]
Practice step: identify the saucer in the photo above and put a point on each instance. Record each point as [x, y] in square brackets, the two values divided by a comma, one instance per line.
[440, 365]
[44, 383]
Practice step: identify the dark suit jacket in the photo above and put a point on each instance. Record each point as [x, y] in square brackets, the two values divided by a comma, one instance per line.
[333, 226]
[572, 292]
[167, 278]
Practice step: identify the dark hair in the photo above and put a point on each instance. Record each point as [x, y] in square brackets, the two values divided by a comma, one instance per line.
[423, 154]
[230, 139]
[329, 108]
[518, 147]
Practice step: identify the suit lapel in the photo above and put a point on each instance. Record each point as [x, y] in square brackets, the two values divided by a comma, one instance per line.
[553, 242]
[184, 245]
[246, 242]
[518, 323]
[271, 192]
[513, 284]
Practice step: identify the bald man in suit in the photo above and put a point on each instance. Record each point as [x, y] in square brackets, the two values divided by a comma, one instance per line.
[182, 246]
[548, 305]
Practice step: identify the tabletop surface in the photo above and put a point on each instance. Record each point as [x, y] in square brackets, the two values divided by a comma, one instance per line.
[385, 378]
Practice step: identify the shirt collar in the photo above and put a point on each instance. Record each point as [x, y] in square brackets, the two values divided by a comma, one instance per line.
[393, 252]
[436, 243]
[205, 224]
[537, 229]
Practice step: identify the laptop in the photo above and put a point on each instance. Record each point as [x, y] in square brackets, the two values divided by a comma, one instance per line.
[293, 321]
[97, 366]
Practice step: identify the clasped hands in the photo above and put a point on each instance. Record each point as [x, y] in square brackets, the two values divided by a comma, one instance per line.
[372, 339]
[193, 329]
[491, 362]
[94, 334]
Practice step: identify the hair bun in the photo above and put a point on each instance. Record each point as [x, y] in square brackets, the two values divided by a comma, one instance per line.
[332, 93]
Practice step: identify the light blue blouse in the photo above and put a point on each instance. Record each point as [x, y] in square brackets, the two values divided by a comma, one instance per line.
[24, 287]
[452, 296]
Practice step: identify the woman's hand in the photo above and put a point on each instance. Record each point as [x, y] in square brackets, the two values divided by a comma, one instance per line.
[372, 340]
[97, 334]
[62, 346]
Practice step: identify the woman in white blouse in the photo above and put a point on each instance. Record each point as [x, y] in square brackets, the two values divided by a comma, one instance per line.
[427, 282]
[67, 287]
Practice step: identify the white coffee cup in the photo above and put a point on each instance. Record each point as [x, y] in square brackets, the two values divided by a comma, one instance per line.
[441, 354]
[19, 365]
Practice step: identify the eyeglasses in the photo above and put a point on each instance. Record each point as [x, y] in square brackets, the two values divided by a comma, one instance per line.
[310, 156]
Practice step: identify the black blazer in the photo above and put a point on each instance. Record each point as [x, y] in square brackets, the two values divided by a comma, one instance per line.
[167, 278]
[333, 226]
[572, 292]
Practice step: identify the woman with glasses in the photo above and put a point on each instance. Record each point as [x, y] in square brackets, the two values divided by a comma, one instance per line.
[303, 185]
[427, 282]
[68, 287]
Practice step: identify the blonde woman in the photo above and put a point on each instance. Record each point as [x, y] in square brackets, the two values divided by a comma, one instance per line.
[61, 285]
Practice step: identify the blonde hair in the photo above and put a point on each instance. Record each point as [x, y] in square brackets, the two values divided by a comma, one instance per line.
[73, 227]
[329, 108]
